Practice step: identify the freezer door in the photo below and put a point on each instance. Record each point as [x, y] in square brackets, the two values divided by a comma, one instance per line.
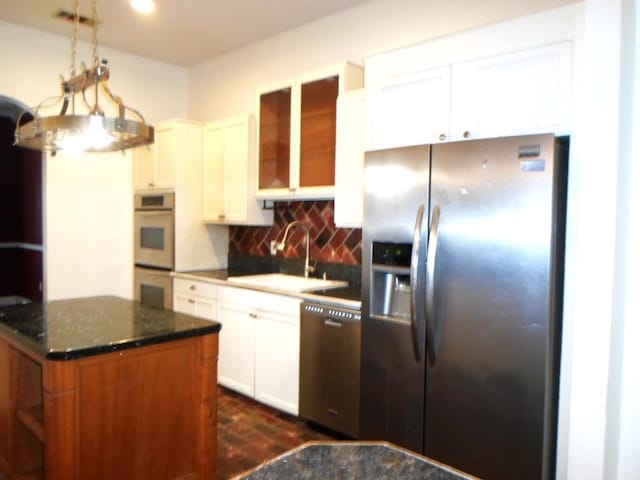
[490, 391]
[392, 366]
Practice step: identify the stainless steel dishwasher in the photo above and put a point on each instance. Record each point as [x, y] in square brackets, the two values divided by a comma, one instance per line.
[330, 367]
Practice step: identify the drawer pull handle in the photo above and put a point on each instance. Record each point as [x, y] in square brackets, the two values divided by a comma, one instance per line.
[253, 315]
[332, 323]
[191, 300]
[193, 288]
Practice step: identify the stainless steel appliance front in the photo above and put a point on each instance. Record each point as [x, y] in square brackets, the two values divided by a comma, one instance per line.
[480, 390]
[154, 230]
[330, 366]
[153, 287]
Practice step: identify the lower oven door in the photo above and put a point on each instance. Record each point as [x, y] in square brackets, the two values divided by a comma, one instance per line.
[153, 288]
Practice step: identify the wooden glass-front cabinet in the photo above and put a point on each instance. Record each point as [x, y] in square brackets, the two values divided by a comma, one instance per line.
[318, 132]
[275, 138]
[297, 133]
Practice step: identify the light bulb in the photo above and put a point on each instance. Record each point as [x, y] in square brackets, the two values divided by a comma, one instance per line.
[143, 6]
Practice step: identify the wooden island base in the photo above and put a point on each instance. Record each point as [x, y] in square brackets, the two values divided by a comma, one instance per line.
[139, 413]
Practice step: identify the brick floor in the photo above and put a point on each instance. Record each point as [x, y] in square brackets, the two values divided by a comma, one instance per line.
[250, 433]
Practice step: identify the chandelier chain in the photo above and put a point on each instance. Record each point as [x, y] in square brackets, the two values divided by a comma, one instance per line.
[74, 37]
[94, 14]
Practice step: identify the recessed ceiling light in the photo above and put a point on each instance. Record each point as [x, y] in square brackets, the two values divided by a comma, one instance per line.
[143, 6]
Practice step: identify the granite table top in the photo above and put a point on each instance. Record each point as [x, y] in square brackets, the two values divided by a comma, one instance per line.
[69, 329]
[349, 460]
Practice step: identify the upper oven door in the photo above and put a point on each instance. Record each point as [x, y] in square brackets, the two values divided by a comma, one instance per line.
[153, 238]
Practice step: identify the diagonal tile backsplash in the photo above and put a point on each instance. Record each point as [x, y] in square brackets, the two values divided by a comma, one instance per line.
[328, 243]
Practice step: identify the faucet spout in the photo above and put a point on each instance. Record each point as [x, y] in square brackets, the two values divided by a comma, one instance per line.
[279, 246]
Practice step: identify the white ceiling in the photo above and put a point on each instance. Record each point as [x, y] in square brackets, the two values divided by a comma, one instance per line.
[181, 32]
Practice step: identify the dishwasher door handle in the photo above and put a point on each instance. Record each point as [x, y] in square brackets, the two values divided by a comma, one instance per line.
[332, 323]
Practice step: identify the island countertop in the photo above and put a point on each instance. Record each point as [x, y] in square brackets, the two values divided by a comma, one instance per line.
[346, 460]
[69, 329]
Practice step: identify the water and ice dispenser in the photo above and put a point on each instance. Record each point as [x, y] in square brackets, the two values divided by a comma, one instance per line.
[390, 281]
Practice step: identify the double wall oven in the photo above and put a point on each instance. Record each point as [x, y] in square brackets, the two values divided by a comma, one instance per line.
[154, 227]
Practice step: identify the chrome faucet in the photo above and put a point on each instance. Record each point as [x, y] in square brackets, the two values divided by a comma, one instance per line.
[279, 246]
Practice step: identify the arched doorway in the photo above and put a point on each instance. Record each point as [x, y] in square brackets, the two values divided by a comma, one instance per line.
[21, 218]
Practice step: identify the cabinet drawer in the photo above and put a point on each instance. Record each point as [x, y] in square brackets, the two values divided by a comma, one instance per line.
[194, 287]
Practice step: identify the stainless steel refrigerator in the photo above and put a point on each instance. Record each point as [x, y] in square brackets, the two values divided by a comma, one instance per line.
[463, 247]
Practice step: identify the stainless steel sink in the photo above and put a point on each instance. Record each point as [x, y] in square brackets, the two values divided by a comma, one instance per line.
[284, 282]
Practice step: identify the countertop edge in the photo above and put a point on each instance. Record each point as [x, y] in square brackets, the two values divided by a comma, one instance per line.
[64, 355]
[304, 296]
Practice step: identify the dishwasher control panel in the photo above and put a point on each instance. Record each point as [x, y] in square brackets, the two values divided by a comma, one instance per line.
[333, 312]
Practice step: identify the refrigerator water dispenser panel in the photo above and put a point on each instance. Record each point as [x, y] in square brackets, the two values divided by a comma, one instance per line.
[390, 273]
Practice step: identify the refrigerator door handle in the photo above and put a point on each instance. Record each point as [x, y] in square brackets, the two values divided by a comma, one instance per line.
[417, 319]
[431, 267]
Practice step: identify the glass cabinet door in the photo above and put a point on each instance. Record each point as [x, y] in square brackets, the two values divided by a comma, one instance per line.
[318, 132]
[275, 139]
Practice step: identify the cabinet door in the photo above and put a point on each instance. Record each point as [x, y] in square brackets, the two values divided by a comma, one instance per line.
[143, 167]
[521, 93]
[278, 360]
[165, 150]
[184, 303]
[408, 109]
[197, 306]
[236, 162]
[349, 159]
[206, 308]
[214, 170]
[275, 139]
[236, 361]
[318, 132]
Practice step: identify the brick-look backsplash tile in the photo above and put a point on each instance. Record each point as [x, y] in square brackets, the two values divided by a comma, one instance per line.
[328, 243]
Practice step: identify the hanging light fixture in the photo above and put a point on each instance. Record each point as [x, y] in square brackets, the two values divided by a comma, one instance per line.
[92, 131]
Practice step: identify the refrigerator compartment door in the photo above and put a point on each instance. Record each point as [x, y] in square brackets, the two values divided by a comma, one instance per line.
[417, 312]
[433, 333]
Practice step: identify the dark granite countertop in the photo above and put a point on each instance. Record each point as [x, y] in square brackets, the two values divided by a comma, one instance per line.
[68, 329]
[348, 460]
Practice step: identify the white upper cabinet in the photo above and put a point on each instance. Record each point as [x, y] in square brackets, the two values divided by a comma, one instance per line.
[229, 173]
[297, 133]
[521, 93]
[408, 109]
[349, 160]
[153, 166]
[518, 93]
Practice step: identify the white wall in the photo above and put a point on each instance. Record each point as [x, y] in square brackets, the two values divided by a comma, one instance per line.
[623, 427]
[88, 200]
[226, 85]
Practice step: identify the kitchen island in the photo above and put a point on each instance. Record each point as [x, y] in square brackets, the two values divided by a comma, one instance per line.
[105, 388]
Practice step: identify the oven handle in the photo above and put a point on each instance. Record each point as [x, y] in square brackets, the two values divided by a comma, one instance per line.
[153, 213]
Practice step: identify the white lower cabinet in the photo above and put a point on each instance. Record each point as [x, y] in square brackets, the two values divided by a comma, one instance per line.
[259, 346]
[237, 345]
[278, 358]
[195, 298]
